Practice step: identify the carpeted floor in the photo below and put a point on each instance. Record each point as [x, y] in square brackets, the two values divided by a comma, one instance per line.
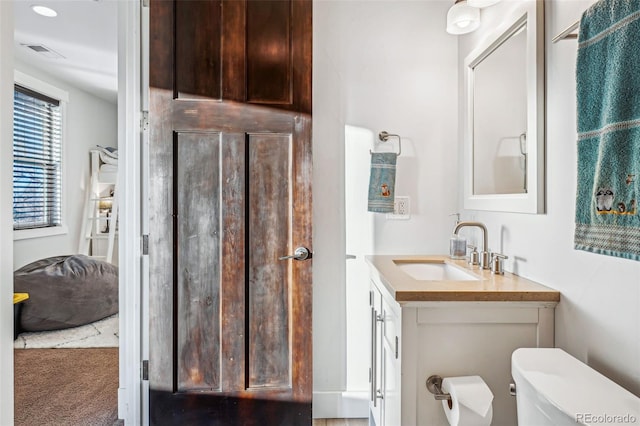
[74, 387]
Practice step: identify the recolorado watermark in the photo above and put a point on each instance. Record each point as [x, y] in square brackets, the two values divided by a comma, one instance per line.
[605, 418]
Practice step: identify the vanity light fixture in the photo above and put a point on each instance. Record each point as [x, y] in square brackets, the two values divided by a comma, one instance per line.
[482, 3]
[462, 18]
[44, 11]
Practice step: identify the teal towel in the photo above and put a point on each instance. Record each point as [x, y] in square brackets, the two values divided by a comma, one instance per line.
[608, 97]
[382, 182]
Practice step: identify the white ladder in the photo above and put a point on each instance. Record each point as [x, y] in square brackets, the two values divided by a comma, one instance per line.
[94, 224]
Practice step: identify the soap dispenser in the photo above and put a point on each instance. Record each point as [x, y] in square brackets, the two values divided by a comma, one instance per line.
[457, 244]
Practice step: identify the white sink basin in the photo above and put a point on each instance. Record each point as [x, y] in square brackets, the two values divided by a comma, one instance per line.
[433, 271]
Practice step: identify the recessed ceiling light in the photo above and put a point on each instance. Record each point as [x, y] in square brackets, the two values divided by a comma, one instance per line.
[44, 11]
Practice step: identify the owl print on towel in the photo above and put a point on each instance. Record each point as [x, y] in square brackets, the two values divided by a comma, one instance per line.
[385, 191]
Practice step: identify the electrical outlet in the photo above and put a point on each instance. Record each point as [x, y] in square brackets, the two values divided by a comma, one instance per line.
[401, 208]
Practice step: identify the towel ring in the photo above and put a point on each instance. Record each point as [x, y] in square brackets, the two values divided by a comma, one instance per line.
[384, 137]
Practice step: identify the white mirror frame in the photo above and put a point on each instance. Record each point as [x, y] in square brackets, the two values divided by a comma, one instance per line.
[531, 12]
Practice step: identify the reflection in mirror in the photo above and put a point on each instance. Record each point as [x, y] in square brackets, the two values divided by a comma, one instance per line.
[504, 121]
[500, 119]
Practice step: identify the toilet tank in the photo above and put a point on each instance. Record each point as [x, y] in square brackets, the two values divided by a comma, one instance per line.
[553, 388]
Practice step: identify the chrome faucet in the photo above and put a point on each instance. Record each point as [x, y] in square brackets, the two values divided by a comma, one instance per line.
[485, 261]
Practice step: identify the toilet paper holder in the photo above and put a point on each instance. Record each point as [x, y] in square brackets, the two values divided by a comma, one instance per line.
[434, 385]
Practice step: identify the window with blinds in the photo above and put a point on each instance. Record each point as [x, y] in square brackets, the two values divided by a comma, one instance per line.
[36, 160]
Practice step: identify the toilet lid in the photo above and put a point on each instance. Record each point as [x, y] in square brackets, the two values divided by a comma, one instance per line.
[575, 388]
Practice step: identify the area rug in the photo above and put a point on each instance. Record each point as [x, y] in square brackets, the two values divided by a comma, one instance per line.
[62, 387]
[99, 334]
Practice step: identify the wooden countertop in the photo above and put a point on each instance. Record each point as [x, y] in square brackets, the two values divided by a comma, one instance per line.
[489, 288]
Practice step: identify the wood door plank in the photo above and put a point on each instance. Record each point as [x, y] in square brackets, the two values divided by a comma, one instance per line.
[269, 52]
[198, 53]
[233, 261]
[231, 117]
[270, 237]
[234, 40]
[205, 409]
[301, 54]
[161, 224]
[301, 279]
[161, 44]
[197, 195]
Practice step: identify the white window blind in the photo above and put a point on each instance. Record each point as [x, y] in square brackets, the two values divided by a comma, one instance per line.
[36, 160]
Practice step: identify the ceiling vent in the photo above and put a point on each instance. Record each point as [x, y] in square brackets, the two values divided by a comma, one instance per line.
[44, 51]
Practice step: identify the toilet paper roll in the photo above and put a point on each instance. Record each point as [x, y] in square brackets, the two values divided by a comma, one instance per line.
[471, 401]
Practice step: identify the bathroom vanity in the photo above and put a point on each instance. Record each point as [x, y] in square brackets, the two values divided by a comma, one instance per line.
[433, 315]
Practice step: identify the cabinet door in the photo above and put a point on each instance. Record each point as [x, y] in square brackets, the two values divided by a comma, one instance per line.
[376, 361]
[391, 380]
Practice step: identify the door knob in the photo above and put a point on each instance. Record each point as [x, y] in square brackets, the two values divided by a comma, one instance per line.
[301, 253]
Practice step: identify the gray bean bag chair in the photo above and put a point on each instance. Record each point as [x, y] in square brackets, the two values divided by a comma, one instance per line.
[66, 291]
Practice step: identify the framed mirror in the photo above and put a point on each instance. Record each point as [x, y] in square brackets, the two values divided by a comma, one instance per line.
[504, 121]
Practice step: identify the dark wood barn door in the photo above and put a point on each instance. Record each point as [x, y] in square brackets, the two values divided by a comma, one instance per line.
[230, 194]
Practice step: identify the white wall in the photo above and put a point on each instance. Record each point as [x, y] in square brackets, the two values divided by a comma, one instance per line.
[90, 121]
[6, 214]
[380, 65]
[598, 318]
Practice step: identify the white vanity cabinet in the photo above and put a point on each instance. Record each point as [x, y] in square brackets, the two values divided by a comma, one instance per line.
[386, 329]
[412, 340]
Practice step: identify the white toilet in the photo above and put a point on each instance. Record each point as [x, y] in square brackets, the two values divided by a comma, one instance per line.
[553, 388]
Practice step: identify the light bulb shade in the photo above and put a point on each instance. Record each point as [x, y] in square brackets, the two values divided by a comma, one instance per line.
[462, 18]
[482, 3]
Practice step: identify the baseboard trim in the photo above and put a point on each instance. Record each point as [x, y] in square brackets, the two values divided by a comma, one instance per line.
[340, 405]
[122, 403]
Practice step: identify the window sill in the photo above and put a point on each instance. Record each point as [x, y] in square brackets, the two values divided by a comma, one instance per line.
[24, 234]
